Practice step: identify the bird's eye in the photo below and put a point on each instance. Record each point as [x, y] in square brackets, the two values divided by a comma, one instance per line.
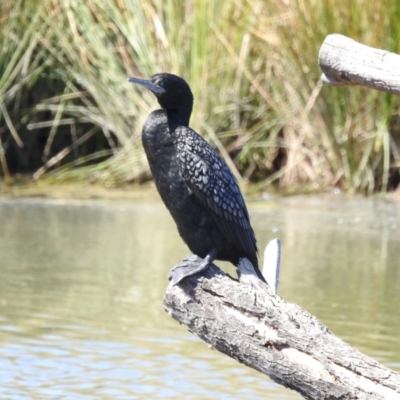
[160, 82]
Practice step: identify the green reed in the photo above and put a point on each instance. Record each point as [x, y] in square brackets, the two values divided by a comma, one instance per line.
[252, 66]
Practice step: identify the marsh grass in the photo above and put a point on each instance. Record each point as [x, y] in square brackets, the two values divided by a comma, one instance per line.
[252, 66]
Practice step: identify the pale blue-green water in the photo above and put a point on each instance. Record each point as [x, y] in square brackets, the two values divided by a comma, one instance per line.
[81, 288]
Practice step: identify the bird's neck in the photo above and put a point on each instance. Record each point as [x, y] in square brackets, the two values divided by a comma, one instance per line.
[179, 117]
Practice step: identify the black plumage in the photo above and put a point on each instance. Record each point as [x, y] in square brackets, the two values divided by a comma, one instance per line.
[194, 182]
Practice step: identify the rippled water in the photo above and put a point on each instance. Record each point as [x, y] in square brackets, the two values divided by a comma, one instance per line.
[81, 288]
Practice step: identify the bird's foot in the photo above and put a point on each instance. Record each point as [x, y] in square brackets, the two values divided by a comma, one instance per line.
[189, 266]
[248, 275]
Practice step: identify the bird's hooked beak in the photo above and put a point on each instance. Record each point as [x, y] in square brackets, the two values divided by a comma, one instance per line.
[147, 84]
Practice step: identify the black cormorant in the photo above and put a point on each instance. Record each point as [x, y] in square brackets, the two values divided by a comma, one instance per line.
[194, 182]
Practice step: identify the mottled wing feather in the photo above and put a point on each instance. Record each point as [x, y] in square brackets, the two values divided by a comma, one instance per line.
[210, 180]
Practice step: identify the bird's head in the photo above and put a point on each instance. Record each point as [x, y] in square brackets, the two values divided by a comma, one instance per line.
[172, 92]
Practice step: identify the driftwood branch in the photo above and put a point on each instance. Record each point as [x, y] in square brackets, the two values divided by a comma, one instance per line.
[250, 323]
[282, 340]
[345, 62]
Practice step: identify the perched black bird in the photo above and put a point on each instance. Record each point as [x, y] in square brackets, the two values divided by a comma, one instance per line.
[194, 182]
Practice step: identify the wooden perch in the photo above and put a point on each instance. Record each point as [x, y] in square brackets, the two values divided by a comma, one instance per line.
[345, 62]
[282, 340]
[250, 323]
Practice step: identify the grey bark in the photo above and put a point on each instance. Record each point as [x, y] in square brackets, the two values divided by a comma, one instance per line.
[345, 62]
[259, 329]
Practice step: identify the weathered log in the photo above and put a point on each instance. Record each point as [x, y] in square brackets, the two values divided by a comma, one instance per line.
[345, 62]
[259, 329]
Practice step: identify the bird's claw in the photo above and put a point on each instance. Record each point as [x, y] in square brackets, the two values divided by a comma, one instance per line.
[189, 266]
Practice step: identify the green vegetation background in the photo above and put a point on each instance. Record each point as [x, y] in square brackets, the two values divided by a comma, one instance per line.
[252, 66]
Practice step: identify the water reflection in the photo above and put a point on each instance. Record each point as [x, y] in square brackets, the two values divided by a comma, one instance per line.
[57, 368]
[81, 286]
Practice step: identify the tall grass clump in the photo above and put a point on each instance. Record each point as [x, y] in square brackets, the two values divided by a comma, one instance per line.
[21, 67]
[252, 66]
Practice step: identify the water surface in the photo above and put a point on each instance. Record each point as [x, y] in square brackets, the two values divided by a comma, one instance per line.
[81, 288]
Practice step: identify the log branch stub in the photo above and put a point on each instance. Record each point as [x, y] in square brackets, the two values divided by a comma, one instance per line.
[345, 62]
[279, 339]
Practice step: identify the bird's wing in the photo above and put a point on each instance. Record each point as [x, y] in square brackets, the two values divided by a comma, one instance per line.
[215, 188]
